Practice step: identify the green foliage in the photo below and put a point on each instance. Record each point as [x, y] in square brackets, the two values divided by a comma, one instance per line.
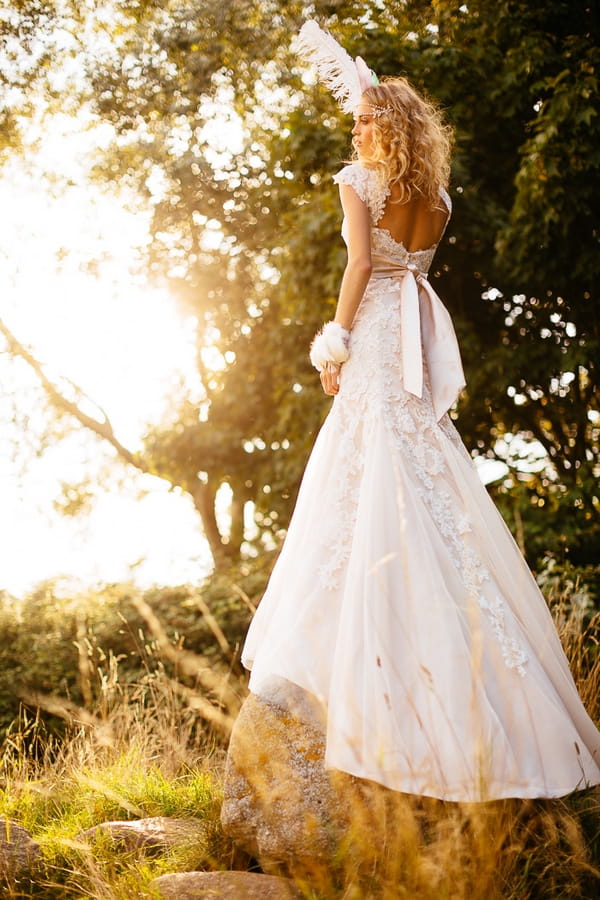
[65, 792]
[245, 233]
[520, 85]
[537, 372]
[125, 788]
[84, 648]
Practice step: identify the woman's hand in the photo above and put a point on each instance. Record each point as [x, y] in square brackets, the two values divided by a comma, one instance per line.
[330, 378]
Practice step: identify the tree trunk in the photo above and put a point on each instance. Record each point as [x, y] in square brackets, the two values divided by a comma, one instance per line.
[236, 535]
[203, 496]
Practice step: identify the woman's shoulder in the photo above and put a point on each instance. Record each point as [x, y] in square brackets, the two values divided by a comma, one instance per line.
[357, 176]
[366, 184]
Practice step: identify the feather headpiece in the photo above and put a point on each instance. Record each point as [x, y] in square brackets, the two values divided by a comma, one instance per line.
[345, 77]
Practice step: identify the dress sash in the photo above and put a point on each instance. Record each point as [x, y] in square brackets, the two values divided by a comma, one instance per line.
[427, 331]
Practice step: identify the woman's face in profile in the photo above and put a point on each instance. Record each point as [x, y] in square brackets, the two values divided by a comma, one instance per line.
[362, 133]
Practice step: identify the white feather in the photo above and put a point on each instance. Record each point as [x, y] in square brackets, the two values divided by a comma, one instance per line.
[335, 67]
[330, 345]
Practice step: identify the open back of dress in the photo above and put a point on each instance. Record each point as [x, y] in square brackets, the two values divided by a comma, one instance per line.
[414, 224]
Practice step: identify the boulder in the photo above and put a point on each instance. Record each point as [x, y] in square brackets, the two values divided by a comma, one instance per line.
[280, 803]
[225, 886]
[19, 853]
[154, 834]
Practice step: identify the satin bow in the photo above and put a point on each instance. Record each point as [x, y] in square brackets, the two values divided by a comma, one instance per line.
[427, 330]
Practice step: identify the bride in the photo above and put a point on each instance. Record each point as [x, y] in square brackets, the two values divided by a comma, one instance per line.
[400, 600]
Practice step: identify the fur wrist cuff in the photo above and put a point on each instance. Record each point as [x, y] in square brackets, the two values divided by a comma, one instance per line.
[330, 345]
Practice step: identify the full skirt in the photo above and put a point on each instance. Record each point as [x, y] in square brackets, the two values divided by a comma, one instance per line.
[402, 603]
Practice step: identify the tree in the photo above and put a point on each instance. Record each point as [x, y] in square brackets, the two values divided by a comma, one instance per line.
[24, 54]
[251, 249]
[538, 66]
[520, 266]
[225, 287]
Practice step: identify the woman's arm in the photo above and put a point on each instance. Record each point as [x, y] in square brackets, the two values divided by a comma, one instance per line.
[356, 274]
[358, 268]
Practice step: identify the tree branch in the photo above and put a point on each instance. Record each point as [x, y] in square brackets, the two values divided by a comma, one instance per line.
[202, 495]
[102, 429]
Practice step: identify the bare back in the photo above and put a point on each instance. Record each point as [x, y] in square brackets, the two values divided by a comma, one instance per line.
[414, 224]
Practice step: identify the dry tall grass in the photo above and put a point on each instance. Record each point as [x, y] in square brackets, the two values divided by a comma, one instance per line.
[143, 751]
[157, 748]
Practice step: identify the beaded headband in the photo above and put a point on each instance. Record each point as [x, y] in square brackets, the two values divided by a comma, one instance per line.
[379, 110]
[346, 78]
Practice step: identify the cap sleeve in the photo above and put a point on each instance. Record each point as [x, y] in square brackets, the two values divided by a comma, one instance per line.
[366, 186]
[358, 179]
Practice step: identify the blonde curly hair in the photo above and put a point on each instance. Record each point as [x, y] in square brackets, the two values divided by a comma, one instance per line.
[411, 144]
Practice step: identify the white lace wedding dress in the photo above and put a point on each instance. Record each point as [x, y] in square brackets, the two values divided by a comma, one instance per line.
[400, 599]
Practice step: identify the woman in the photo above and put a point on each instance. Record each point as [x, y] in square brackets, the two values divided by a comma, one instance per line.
[400, 600]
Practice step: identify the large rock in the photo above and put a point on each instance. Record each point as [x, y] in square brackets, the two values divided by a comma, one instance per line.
[155, 834]
[225, 886]
[19, 853]
[280, 803]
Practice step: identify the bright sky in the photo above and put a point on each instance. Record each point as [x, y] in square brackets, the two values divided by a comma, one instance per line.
[122, 342]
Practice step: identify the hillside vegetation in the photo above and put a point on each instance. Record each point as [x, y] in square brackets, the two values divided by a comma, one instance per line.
[126, 704]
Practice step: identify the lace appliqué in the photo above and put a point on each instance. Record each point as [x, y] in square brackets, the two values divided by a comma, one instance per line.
[367, 186]
[372, 388]
[382, 241]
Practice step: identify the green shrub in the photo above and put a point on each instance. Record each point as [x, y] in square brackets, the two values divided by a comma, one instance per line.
[83, 647]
